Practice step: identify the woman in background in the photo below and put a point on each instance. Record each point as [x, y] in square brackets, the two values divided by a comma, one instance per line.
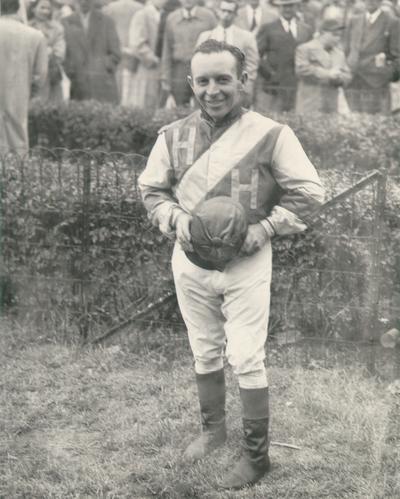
[40, 17]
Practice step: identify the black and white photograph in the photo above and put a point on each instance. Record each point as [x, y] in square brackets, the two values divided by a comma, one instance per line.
[200, 249]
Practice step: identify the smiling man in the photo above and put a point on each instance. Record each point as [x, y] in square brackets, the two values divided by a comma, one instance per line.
[225, 150]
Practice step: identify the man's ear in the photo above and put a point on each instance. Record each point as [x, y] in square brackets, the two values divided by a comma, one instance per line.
[190, 81]
[243, 79]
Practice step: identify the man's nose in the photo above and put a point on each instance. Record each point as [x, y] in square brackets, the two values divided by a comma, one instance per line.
[212, 87]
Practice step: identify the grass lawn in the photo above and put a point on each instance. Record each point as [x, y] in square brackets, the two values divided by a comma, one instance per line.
[112, 423]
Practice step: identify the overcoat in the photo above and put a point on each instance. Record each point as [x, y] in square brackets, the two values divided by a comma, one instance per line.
[364, 42]
[315, 91]
[277, 53]
[143, 85]
[92, 57]
[23, 63]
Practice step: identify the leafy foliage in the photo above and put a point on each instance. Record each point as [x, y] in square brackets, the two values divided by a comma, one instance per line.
[78, 247]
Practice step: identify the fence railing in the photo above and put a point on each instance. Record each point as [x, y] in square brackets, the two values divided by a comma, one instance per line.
[79, 254]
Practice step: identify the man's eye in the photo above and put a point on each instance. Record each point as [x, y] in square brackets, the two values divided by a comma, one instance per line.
[224, 79]
[202, 82]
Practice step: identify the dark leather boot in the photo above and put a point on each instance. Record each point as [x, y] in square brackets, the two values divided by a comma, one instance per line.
[211, 389]
[254, 462]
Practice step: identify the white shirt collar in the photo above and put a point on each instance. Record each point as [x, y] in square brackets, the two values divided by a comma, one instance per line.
[289, 25]
[371, 18]
[185, 12]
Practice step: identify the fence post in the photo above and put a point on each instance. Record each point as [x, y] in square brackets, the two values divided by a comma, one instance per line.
[84, 325]
[373, 291]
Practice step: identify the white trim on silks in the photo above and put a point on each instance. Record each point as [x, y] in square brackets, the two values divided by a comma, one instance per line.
[222, 156]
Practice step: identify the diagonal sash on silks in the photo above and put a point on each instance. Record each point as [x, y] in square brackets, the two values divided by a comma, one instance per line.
[220, 159]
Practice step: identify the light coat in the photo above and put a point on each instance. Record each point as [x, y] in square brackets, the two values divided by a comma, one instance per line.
[121, 12]
[92, 57]
[143, 86]
[23, 63]
[315, 89]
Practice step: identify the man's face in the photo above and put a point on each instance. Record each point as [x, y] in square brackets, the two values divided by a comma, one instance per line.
[188, 4]
[288, 11]
[226, 13]
[372, 5]
[332, 38]
[215, 82]
[85, 5]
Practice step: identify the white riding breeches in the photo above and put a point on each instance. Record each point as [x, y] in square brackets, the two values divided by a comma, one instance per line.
[228, 311]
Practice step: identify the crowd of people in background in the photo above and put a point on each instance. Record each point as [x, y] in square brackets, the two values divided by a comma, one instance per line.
[301, 55]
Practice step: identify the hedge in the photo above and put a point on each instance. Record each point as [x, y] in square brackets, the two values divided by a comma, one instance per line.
[332, 141]
[97, 259]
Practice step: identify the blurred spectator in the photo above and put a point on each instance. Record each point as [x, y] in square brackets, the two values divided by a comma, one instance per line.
[226, 31]
[372, 48]
[93, 53]
[40, 17]
[23, 63]
[310, 13]
[143, 87]
[277, 42]
[62, 8]
[182, 29]
[389, 6]
[321, 69]
[121, 12]
[169, 6]
[253, 15]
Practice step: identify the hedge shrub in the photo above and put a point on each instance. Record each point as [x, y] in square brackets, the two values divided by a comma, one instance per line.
[332, 141]
[93, 271]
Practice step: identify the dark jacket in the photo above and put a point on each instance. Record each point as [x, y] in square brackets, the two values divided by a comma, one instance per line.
[364, 42]
[277, 53]
[92, 57]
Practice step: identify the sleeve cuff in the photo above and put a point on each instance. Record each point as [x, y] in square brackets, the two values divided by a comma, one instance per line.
[268, 227]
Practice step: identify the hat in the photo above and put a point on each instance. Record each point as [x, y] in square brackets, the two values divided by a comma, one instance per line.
[285, 2]
[332, 25]
[218, 230]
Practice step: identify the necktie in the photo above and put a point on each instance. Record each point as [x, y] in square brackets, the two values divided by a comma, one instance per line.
[254, 21]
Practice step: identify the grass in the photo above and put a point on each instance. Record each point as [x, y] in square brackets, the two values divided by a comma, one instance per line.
[112, 423]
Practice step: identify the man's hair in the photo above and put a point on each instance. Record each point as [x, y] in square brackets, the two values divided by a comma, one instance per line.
[212, 46]
[8, 7]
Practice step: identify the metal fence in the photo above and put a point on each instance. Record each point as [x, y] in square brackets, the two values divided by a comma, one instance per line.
[80, 257]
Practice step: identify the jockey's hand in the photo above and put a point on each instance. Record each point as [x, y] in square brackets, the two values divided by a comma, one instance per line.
[182, 228]
[255, 239]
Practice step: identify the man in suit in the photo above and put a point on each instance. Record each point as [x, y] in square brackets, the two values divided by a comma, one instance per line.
[277, 42]
[253, 15]
[182, 29]
[372, 49]
[227, 32]
[321, 69]
[23, 63]
[93, 53]
[121, 12]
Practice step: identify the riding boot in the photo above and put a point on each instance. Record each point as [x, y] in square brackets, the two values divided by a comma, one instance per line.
[211, 390]
[254, 462]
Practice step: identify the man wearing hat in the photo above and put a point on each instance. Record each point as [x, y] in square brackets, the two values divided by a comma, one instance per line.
[222, 182]
[321, 69]
[277, 42]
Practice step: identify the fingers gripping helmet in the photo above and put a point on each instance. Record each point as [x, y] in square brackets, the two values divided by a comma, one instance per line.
[218, 230]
